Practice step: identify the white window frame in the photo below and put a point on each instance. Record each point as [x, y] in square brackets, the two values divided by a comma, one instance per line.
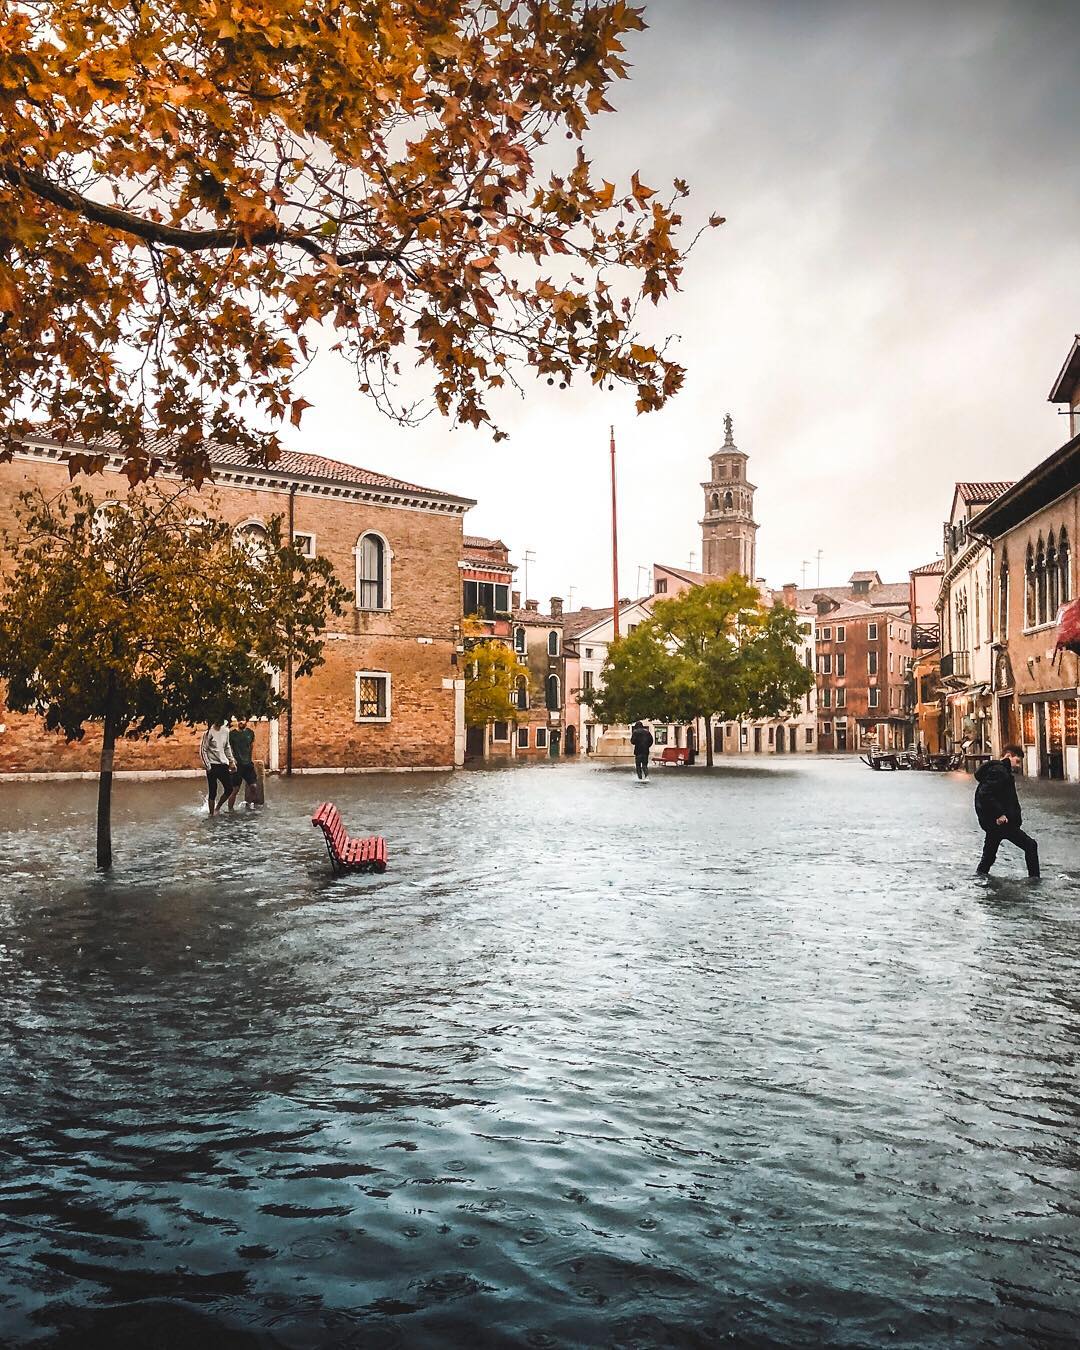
[523, 738]
[520, 641]
[308, 552]
[367, 675]
[501, 740]
[873, 665]
[825, 634]
[871, 632]
[841, 632]
[825, 663]
[826, 728]
[872, 697]
[388, 572]
[541, 738]
[841, 697]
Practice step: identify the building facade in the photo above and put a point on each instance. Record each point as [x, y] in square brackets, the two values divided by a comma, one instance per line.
[389, 694]
[543, 730]
[965, 614]
[487, 604]
[925, 586]
[864, 660]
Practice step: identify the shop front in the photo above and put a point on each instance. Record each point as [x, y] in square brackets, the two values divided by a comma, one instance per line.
[1050, 734]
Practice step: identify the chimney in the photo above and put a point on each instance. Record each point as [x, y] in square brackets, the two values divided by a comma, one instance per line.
[556, 606]
[515, 599]
[533, 606]
[791, 594]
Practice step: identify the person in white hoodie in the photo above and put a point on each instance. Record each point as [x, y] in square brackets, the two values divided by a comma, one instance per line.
[217, 759]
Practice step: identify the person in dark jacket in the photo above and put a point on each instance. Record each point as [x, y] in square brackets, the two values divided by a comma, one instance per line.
[998, 809]
[641, 738]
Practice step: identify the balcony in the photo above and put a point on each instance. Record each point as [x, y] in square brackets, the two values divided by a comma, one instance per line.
[925, 636]
[956, 665]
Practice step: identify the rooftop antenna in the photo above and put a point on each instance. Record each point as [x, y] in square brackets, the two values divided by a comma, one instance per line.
[805, 565]
[570, 597]
[528, 557]
[641, 568]
[693, 555]
[819, 556]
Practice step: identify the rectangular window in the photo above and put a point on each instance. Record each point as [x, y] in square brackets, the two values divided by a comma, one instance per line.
[770, 735]
[871, 632]
[841, 664]
[841, 698]
[661, 586]
[826, 635]
[892, 631]
[519, 639]
[587, 679]
[825, 665]
[372, 696]
[825, 698]
[500, 731]
[541, 738]
[304, 544]
[826, 728]
[873, 696]
[809, 735]
[841, 632]
[486, 599]
[588, 653]
[660, 735]
[523, 738]
[871, 663]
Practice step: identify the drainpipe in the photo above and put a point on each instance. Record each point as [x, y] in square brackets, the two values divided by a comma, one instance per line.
[289, 667]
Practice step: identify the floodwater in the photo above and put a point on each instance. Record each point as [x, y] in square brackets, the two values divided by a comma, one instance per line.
[746, 1057]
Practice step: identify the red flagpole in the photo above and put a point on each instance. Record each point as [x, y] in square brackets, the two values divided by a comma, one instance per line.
[614, 547]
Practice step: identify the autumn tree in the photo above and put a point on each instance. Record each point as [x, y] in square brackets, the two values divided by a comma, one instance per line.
[715, 651]
[143, 614]
[492, 678]
[191, 193]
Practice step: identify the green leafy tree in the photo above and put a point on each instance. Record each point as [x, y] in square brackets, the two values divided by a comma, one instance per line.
[715, 651]
[142, 614]
[492, 674]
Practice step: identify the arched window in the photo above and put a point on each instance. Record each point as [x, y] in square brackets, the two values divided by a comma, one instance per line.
[519, 640]
[1040, 582]
[1003, 599]
[251, 536]
[1029, 589]
[553, 643]
[553, 693]
[1064, 567]
[729, 501]
[714, 505]
[372, 572]
[1053, 577]
[521, 693]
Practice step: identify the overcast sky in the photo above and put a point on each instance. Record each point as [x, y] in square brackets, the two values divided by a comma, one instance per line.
[884, 312]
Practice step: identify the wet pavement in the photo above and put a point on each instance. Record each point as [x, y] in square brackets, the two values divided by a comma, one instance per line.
[747, 1057]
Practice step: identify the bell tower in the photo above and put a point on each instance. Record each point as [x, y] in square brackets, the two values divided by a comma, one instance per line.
[728, 528]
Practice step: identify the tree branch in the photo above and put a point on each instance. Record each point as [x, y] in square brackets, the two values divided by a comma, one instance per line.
[173, 236]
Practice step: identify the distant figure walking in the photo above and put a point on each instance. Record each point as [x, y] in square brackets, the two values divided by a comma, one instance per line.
[641, 738]
[218, 762]
[998, 809]
[241, 741]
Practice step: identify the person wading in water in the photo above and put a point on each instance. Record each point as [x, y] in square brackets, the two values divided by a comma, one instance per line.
[241, 740]
[641, 738]
[218, 762]
[998, 809]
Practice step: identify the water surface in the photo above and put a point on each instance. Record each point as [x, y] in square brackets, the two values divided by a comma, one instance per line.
[748, 1057]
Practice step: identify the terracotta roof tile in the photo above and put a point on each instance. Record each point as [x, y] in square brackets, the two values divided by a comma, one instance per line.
[930, 569]
[973, 493]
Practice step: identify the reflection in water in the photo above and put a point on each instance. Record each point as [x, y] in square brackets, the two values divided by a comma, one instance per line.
[748, 1056]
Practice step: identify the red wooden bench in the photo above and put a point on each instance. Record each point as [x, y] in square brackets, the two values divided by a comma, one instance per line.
[348, 854]
[674, 754]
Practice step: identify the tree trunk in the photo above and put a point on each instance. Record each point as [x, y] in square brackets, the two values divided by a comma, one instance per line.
[708, 741]
[104, 802]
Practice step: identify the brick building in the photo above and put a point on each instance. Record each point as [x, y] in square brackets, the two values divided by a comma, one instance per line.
[487, 576]
[540, 642]
[863, 665]
[925, 584]
[389, 695]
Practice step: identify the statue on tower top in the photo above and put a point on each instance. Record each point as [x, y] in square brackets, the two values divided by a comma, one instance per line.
[727, 430]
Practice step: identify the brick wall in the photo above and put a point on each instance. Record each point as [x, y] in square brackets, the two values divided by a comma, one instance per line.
[425, 604]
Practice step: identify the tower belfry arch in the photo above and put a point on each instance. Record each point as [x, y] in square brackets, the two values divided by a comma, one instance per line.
[728, 527]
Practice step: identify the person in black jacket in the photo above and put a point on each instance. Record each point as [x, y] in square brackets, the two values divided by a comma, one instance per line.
[641, 738]
[998, 809]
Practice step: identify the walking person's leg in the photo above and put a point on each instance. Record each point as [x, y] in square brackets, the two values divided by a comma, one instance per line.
[991, 844]
[637, 767]
[235, 779]
[211, 789]
[222, 776]
[1024, 841]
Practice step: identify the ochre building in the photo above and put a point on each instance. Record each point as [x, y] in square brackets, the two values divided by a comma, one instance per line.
[389, 695]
